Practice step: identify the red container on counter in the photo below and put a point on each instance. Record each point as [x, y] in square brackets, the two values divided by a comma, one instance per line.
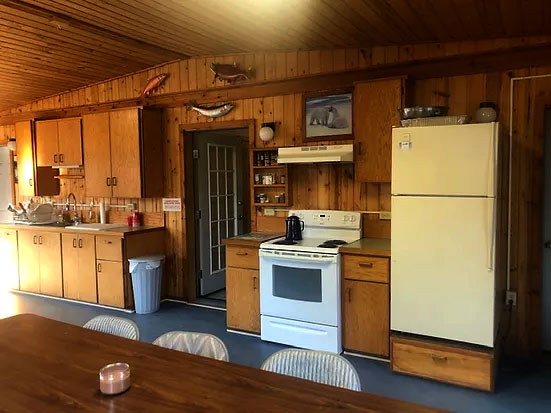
[136, 219]
[129, 220]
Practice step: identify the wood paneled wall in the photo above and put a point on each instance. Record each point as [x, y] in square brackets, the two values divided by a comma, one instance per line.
[334, 186]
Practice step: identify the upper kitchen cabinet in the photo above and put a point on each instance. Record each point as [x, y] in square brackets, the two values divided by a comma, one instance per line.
[59, 143]
[123, 153]
[376, 110]
[32, 180]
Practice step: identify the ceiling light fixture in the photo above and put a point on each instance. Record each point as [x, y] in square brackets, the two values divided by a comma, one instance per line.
[267, 131]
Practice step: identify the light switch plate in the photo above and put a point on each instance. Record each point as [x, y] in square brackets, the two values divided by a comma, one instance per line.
[511, 296]
[387, 215]
[269, 212]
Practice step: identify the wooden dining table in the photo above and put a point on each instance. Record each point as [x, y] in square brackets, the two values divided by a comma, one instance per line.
[47, 365]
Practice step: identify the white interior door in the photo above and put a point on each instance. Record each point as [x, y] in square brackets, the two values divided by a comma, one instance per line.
[5, 184]
[442, 277]
[445, 160]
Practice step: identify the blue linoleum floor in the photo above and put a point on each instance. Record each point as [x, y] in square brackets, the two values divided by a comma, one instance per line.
[517, 391]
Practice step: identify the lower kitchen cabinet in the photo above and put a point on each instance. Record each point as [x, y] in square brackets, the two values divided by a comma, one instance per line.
[40, 262]
[110, 283]
[9, 259]
[366, 321]
[79, 267]
[243, 299]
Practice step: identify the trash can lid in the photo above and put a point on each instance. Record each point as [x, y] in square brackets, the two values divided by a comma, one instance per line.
[147, 258]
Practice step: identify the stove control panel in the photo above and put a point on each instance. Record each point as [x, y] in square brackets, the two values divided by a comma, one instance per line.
[335, 219]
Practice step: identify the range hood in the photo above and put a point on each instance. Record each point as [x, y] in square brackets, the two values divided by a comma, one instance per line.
[316, 154]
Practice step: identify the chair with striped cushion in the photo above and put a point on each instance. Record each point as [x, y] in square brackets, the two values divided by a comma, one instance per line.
[200, 344]
[116, 326]
[318, 366]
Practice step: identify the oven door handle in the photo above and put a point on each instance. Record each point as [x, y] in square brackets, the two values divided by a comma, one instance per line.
[302, 256]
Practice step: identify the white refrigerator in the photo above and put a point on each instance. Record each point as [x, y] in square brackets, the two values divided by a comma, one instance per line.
[444, 232]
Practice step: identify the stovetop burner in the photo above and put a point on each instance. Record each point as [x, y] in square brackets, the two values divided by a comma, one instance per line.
[328, 245]
[285, 242]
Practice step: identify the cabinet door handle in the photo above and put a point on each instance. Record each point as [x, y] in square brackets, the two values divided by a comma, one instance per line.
[74, 242]
[40, 239]
[99, 267]
[254, 283]
[366, 264]
[34, 239]
[60, 158]
[55, 157]
[108, 181]
[108, 242]
[242, 253]
[439, 359]
[80, 243]
[114, 180]
[349, 295]
[30, 182]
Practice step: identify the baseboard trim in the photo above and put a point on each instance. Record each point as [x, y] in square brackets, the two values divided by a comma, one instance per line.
[365, 356]
[243, 333]
[69, 300]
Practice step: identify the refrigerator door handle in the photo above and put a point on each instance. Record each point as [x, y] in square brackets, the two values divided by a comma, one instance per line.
[492, 164]
[491, 233]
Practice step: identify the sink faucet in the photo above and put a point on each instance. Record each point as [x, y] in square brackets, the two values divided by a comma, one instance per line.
[76, 219]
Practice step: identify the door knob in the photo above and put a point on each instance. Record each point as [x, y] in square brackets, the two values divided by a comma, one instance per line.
[547, 244]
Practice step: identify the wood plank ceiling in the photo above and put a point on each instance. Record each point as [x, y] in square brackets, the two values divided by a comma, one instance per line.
[49, 46]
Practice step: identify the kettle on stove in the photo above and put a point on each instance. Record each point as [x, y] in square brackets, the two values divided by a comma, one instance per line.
[294, 227]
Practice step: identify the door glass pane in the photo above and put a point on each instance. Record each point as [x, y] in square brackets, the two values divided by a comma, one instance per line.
[302, 284]
[222, 183]
[222, 207]
[229, 159]
[212, 158]
[223, 256]
[213, 183]
[231, 228]
[230, 182]
[214, 233]
[223, 231]
[213, 208]
[221, 158]
[214, 263]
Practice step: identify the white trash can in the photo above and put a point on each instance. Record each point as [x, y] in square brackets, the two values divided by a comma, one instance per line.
[146, 282]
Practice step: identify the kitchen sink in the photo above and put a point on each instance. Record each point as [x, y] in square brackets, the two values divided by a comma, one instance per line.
[96, 227]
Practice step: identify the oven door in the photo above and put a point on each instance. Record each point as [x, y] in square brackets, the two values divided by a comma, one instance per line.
[300, 286]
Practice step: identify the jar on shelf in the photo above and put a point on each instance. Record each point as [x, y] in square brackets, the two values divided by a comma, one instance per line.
[282, 179]
[486, 113]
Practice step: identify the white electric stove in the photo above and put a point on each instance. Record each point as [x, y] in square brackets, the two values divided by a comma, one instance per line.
[300, 281]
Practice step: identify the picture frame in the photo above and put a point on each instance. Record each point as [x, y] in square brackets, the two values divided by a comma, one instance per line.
[328, 115]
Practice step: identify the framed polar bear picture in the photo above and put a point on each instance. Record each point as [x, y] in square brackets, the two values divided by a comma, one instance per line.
[328, 116]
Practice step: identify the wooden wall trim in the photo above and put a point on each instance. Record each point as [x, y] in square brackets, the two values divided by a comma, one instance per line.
[507, 59]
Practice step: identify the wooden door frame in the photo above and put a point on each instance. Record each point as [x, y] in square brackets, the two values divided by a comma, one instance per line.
[186, 166]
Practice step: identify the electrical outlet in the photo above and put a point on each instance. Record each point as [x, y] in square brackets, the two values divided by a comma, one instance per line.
[269, 212]
[385, 215]
[511, 296]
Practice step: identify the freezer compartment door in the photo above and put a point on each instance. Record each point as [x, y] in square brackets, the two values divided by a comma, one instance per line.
[445, 160]
[442, 274]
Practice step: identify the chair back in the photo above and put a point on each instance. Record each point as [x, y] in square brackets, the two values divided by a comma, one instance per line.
[318, 366]
[117, 326]
[201, 344]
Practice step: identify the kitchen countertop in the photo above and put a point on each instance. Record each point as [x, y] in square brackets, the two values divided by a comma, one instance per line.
[121, 231]
[252, 239]
[368, 246]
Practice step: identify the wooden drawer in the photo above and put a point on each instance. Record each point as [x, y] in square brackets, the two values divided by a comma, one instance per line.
[108, 248]
[362, 268]
[450, 364]
[242, 257]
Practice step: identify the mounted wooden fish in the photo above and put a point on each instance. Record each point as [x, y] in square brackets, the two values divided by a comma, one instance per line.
[231, 73]
[154, 83]
[212, 111]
